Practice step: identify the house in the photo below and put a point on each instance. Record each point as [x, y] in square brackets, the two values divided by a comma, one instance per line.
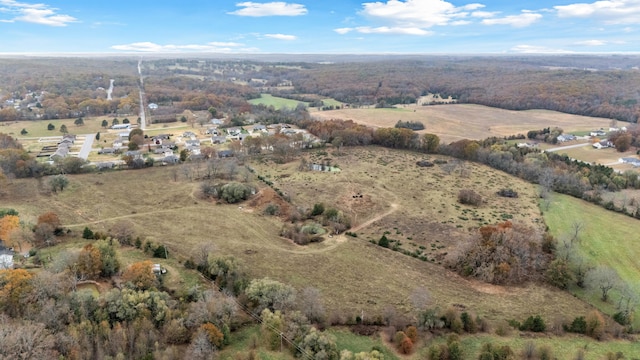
[124, 135]
[527, 145]
[158, 139]
[192, 143]
[603, 144]
[598, 133]
[121, 126]
[135, 154]
[188, 134]
[153, 106]
[107, 151]
[212, 131]
[260, 128]
[171, 159]
[225, 153]
[566, 137]
[195, 151]
[218, 139]
[217, 121]
[232, 131]
[117, 144]
[629, 160]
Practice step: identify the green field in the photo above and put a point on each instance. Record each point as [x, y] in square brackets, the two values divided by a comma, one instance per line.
[608, 239]
[38, 128]
[277, 102]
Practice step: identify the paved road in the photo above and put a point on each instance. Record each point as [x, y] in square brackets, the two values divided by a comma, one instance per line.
[143, 120]
[567, 147]
[86, 147]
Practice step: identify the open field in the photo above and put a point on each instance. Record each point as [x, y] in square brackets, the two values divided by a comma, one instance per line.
[464, 121]
[608, 239]
[353, 275]
[276, 102]
[607, 157]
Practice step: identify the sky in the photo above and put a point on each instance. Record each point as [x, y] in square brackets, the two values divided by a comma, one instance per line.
[319, 26]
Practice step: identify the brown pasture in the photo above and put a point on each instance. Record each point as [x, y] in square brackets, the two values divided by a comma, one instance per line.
[465, 121]
[353, 274]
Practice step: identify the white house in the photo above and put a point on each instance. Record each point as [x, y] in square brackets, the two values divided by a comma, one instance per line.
[153, 106]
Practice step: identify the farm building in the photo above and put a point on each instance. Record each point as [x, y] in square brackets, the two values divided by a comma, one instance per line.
[629, 160]
[121, 126]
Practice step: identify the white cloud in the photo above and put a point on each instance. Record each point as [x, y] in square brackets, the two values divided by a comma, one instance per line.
[269, 9]
[484, 14]
[532, 49]
[522, 20]
[385, 30]
[591, 43]
[34, 13]
[281, 37]
[219, 47]
[608, 11]
[418, 13]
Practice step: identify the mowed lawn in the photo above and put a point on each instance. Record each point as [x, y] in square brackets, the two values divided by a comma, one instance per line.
[465, 121]
[608, 239]
[276, 102]
[38, 128]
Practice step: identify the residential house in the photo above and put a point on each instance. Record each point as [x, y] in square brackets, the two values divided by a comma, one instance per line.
[188, 134]
[260, 128]
[153, 106]
[171, 159]
[232, 131]
[598, 133]
[217, 121]
[135, 154]
[603, 144]
[105, 165]
[212, 131]
[566, 137]
[218, 139]
[629, 160]
[225, 153]
[107, 151]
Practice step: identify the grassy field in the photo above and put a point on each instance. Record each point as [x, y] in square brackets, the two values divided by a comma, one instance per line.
[276, 102]
[608, 239]
[464, 121]
[607, 157]
[353, 275]
[416, 205]
[38, 128]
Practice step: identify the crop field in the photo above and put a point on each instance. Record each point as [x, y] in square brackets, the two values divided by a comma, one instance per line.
[276, 102]
[464, 121]
[352, 274]
[608, 239]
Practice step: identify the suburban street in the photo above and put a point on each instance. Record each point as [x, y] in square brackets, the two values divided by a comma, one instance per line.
[86, 147]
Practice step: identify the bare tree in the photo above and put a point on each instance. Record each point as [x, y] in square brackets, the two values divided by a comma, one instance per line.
[310, 302]
[603, 278]
[576, 228]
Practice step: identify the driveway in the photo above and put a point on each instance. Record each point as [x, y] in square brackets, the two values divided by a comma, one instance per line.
[567, 147]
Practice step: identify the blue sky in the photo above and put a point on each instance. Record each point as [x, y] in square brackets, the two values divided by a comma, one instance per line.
[320, 26]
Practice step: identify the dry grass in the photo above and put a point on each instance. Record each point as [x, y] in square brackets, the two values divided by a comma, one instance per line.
[353, 275]
[464, 121]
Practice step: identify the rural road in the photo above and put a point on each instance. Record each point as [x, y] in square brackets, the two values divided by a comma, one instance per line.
[86, 147]
[567, 147]
[143, 120]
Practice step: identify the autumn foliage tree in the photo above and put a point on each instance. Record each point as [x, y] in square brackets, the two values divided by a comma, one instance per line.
[15, 285]
[89, 262]
[140, 275]
[502, 254]
[8, 224]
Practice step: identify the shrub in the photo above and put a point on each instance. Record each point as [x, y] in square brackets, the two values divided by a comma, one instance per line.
[469, 197]
[508, 193]
[595, 325]
[234, 192]
[384, 242]
[87, 233]
[622, 317]
[318, 209]
[578, 325]
[272, 209]
[533, 323]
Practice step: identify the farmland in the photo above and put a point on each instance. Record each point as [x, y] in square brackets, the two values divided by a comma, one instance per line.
[463, 121]
[276, 102]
